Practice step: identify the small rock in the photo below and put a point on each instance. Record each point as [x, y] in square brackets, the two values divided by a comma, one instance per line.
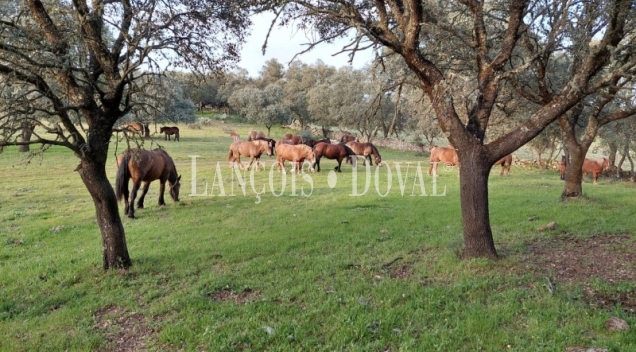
[269, 330]
[550, 226]
[616, 324]
[384, 231]
[532, 218]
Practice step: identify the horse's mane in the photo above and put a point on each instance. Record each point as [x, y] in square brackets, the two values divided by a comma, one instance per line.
[348, 150]
[375, 150]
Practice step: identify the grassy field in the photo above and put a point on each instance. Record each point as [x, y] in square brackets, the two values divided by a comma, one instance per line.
[328, 271]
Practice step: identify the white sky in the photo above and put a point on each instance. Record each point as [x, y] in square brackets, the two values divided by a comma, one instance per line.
[284, 43]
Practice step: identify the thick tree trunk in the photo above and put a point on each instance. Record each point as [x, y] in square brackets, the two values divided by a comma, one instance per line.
[27, 131]
[613, 147]
[93, 175]
[573, 173]
[474, 172]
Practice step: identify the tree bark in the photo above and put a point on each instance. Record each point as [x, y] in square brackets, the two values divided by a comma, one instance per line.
[613, 147]
[474, 173]
[27, 131]
[574, 172]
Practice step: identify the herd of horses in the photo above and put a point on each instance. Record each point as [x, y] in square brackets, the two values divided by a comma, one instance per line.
[143, 130]
[144, 166]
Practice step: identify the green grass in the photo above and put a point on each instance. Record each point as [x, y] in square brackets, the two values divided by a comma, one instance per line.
[309, 270]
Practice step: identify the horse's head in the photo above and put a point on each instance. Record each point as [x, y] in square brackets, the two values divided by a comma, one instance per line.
[162, 129]
[378, 160]
[174, 189]
[605, 164]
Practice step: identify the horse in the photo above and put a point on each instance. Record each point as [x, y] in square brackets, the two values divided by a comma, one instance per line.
[562, 165]
[595, 167]
[348, 138]
[254, 135]
[136, 127]
[235, 136]
[446, 155]
[365, 150]
[295, 139]
[145, 166]
[505, 163]
[252, 149]
[169, 131]
[296, 153]
[312, 142]
[332, 151]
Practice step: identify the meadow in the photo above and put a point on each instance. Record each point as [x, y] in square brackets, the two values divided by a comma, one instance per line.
[326, 271]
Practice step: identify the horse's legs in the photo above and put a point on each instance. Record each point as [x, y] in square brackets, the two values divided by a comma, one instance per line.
[430, 168]
[250, 163]
[317, 164]
[595, 176]
[339, 167]
[162, 188]
[502, 170]
[133, 195]
[144, 190]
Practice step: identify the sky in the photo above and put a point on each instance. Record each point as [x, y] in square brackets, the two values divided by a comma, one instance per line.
[284, 43]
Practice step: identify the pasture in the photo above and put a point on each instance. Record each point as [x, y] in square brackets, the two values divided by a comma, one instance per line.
[328, 271]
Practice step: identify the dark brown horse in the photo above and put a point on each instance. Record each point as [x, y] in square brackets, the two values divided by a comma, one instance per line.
[333, 151]
[366, 150]
[251, 149]
[297, 154]
[348, 138]
[595, 167]
[145, 166]
[505, 163]
[446, 155]
[169, 131]
[312, 142]
[254, 135]
[294, 138]
[562, 166]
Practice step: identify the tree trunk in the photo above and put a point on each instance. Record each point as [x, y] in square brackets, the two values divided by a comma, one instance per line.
[93, 175]
[27, 131]
[573, 173]
[268, 129]
[474, 172]
[325, 132]
[613, 147]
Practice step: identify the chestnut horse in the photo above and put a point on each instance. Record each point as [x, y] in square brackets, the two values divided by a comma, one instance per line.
[595, 167]
[332, 151]
[136, 127]
[296, 154]
[505, 162]
[254, 135]
[169, 131]
[348, 138]
[562, 165]
[251, 149]
[235, 136]
[295, 139]
[365, 150]
[446, 155]
[145, 166]
[312, 142]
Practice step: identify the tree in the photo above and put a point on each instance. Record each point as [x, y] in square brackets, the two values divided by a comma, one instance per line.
[261, 106]
[491, 43]
[83, 62]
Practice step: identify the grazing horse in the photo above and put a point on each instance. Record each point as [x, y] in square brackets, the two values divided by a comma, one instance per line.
[505, 162]
[595, 167]
[169, 131]
[562, 165]
[296, 154]
[136, 127]
[254, 135]
[366, 150]
[446, 155]
[235, 136]
[312, 142]
[332, 151]
[251, 149]
[348, 138]
[295, 139]
[145, 166]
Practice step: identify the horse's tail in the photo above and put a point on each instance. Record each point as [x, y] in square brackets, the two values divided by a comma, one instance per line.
[147, 130]
[230, 154]
[121, 180]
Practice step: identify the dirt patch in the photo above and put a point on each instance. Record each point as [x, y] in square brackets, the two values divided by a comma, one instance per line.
[609, 258]
[228, 295]
[123, 331]
[401, 272]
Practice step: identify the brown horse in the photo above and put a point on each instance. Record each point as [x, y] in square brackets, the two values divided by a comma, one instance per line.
[254, 135]
[505, 163]
[348, 138]
[595, 167]
[332, 151]
[169, 131]
[312, 142]
[235, 136]
[295, 139]
[562, 165]
[294, 153]
[251, 149]
[145, 166]
[446, 155]
[136, 127]
[366, 150]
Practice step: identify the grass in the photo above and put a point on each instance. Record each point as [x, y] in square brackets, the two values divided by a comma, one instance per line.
[325, 272]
